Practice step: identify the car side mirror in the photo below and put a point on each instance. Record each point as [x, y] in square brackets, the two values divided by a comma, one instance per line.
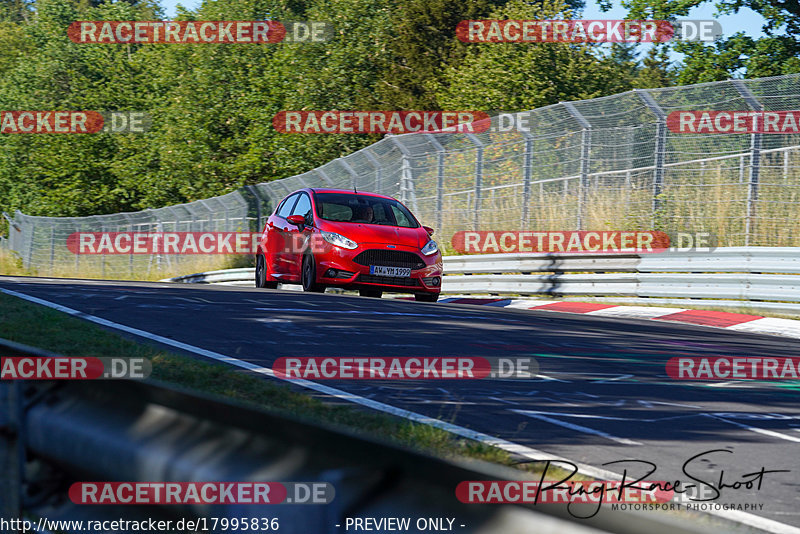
[297, 220]
[428, 229]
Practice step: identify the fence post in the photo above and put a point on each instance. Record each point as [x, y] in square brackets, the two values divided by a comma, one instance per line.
[28, 258]
[353, 174]
[660, 148]
[254, 191]
[755, 161]
[406, 176]
[52, 247]
[586, 145]
[785, 165]
[527, 171]
[378, 169]
[478, 177]
[440, 153]
[319, 171]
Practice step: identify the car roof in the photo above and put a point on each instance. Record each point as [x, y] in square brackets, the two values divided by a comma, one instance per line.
[348, 192]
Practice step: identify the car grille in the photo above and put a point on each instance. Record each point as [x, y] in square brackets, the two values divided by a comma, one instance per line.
[389, 280]
[390, 258]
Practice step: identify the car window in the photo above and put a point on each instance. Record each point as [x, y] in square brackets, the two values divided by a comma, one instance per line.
[363, 209]
[303, 207]
[401, 217]
[286, 208]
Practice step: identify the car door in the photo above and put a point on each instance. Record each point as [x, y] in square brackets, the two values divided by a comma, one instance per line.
[299, 236]
[277, 231]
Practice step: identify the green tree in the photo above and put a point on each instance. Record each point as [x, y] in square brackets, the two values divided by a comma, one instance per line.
[510, 76]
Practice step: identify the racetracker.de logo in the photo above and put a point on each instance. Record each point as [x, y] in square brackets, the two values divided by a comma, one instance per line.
[605, 242]
[585, 31]
[72, 368]
[59, 122]
[404, 368]
[139, 493]
[567, 492]
[733, 368]
[734, 122]
[74, 122]
[184, 31]
[164, 242]
[381, 122]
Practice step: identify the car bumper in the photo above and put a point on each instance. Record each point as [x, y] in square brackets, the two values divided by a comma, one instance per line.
[338, 268]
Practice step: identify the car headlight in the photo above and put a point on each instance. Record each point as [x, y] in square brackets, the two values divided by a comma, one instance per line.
[430, 248]
[339, 240]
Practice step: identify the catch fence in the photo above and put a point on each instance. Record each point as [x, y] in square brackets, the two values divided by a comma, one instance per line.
[608, 163]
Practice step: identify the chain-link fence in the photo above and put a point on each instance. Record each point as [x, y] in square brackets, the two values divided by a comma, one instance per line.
[607, 163]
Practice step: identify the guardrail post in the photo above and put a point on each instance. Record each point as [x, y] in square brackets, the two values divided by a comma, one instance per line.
[11, 449]
[378, 169]
[586, 145]
[440, 154]
[660, 148]
[478, 177]
[755, 161]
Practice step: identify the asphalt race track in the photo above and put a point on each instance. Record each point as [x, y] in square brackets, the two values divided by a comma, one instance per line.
[603, 394]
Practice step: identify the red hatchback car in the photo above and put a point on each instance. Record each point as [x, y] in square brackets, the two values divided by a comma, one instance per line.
[353, 240]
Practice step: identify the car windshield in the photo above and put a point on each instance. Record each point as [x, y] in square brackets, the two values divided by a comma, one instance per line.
[365, 209]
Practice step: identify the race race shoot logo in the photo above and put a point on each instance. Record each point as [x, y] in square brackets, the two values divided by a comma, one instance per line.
[74, 122]
[73, 368]
[164, 242]
[381, 122]
[199, 32]
[733, 368]
[139, 493]
[586, 31]
[404, 368]
[734, 122]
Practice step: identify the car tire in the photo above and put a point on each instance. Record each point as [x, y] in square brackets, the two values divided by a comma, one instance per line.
[308, 275]
[373, 293]
[261, 274]
[426, 297]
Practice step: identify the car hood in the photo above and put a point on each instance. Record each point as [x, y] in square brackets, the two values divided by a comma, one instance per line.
[375, 233]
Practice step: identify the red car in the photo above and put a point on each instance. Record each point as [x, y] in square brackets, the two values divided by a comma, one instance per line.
[353, 240]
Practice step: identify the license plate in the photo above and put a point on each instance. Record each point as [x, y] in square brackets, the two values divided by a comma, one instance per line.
[389, 271]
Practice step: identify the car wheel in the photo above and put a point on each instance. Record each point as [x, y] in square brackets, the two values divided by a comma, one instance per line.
[426, 297]
[261, 274]
[374, 293]
[308, 275]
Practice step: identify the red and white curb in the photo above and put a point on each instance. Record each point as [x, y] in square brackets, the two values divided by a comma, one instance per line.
[730, 321]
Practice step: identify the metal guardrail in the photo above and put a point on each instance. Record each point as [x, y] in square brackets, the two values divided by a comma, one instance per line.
[758, 278]
[224, 276]
[55, 433]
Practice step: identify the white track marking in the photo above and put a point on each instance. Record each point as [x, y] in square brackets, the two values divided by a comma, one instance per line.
[578, 428]
[763, 523]
[757, 430]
